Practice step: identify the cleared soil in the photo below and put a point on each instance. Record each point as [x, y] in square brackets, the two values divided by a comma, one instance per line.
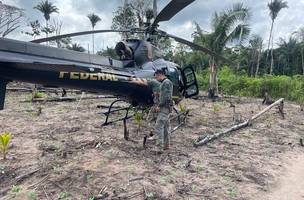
[64, 153]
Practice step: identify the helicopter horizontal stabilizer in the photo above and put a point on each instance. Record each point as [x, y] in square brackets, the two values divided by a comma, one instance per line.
[2, 93]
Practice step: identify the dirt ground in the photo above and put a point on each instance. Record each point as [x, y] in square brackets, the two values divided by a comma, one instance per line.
[64, 153]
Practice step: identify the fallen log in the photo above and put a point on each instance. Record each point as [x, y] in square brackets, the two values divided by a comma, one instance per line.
[202, 140]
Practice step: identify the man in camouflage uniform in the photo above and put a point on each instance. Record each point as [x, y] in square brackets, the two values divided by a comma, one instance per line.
[154, 85]
[163, 109]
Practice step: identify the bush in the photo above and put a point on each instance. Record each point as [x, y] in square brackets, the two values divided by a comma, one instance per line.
[290, 88]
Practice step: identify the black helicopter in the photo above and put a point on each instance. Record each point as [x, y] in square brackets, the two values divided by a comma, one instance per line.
[139, 59]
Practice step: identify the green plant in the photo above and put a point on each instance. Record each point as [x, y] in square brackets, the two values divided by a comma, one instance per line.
[194, 188]
[38, 95]
[15, 189]
[163, 180]
[4, 141]
[62, 195]
[32, 195]
[138, 119]
[57, 169]
[215, 108]
[182, 108]
[150, 195]
[231, 192]
[199, 168]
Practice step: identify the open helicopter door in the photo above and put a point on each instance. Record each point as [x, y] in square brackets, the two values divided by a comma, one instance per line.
[2, 93]
[190, 83]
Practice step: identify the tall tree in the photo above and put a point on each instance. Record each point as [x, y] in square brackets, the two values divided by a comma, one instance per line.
[10, 19]
[274, 9]
[94, 19]
[142, 8]
[256, 44]
[227, 26]
[288, 50]
[124, 18]
[47, 8]
[300, 36]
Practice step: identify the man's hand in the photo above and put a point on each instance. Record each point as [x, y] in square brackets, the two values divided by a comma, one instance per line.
[156, 109]
[139, 82]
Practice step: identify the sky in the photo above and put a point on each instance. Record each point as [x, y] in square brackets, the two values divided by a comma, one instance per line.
[73, 14]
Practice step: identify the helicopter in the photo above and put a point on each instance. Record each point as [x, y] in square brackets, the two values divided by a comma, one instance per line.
[138, 60]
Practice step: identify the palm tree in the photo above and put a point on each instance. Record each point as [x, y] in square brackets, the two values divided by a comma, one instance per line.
[274, 8]
[256, 44]
[227, 26]
[47, 8]
[94, 19]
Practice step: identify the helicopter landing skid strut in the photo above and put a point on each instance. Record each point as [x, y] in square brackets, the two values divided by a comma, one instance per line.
[112, 109]
[181, 119]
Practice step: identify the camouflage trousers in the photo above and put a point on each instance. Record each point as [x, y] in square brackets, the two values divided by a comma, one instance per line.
[161, 129]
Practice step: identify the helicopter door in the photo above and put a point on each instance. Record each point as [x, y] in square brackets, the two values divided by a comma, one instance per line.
[190, 83]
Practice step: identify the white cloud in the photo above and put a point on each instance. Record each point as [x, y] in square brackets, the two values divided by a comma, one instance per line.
[73, 14]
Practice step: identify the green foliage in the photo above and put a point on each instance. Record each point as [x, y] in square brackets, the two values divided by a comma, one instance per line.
[47, 8]
[38, 95]
[290, 88]
[182, 107]
[76, 47]
[137, 118]
[32, 195]
[124, 18]
[94, 19]
[4, 141]
[231, 192]
[57, 169]
[62, 195]
[150, 195]
[15, 189]
[215, 108]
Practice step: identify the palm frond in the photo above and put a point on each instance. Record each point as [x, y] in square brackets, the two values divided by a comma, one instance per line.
[47, 8]
[94, 19]
[275, 7]
[240, 33]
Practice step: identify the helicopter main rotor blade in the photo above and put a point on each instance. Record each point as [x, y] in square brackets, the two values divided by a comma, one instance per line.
[78, 34]
[170, 10]
[198, 47]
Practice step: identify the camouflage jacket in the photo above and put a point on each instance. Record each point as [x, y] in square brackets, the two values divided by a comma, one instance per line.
[165, 94]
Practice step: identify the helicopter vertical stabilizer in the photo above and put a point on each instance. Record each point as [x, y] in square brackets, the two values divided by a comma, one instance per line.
[2, 93]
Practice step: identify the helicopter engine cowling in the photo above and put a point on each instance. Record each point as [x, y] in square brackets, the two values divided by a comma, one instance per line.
[143, 53]
[123, 51]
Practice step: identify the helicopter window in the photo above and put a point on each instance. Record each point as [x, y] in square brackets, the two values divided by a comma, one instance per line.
[190, 84]
[172, 74]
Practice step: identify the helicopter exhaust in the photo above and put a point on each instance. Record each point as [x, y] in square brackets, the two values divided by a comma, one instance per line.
[2, 93]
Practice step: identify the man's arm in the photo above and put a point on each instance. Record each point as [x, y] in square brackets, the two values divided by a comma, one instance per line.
[139, 82]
